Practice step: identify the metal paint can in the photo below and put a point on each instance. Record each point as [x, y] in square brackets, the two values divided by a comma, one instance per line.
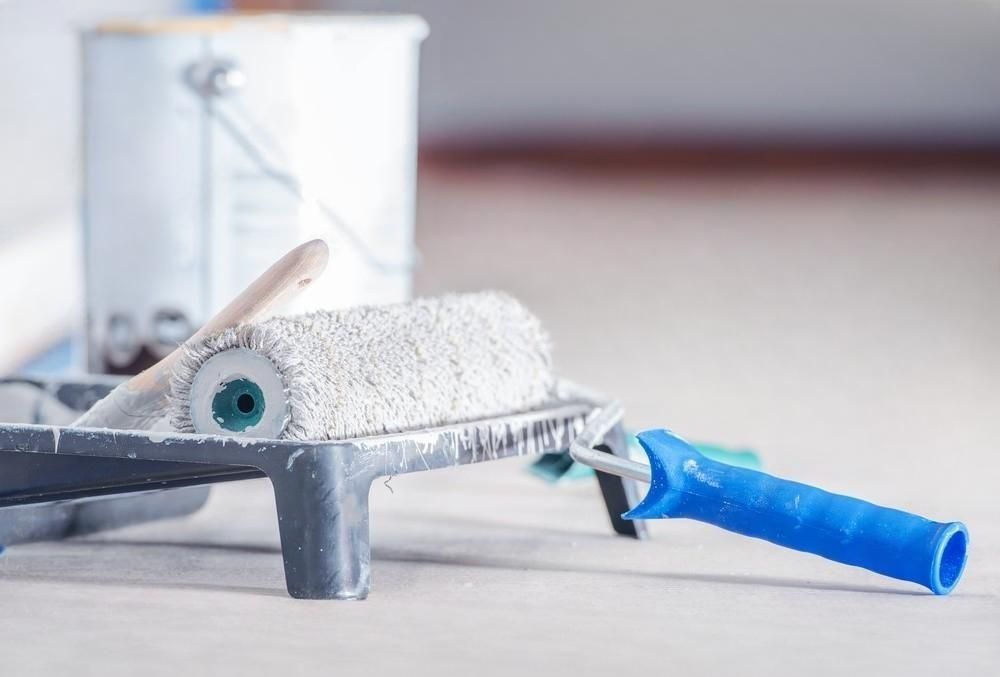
[212, 145]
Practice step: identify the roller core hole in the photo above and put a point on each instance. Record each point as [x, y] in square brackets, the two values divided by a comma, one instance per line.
[245, 403]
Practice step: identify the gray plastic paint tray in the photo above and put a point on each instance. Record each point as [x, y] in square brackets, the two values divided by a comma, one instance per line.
[321, 488]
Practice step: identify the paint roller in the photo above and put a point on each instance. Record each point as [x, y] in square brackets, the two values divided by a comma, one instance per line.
[365, 371]
[374, 370]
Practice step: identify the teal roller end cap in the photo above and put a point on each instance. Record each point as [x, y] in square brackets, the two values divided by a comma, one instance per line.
[238, 405]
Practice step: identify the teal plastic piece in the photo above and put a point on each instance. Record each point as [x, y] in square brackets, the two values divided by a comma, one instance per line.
[238, 405]
[884, 540]
[559, 467]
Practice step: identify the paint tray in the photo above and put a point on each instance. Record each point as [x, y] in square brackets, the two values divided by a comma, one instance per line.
[52, 402]
[321, 488]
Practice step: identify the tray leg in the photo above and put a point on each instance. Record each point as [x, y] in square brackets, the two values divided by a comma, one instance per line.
[620, 495]
[323, 522]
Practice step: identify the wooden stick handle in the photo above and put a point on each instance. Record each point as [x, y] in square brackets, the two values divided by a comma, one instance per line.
[138, 403]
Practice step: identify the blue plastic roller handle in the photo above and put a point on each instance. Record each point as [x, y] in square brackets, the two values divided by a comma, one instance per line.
[890, 542]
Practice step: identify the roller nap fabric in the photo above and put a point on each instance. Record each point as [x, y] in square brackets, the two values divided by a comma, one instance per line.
[382, 369]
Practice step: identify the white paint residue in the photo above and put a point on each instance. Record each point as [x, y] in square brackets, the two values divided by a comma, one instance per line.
[560, 431]
[691, 469]
[423, 448]
[293, 457]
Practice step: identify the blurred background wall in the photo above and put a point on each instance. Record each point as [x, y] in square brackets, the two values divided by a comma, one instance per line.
[886, 72]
